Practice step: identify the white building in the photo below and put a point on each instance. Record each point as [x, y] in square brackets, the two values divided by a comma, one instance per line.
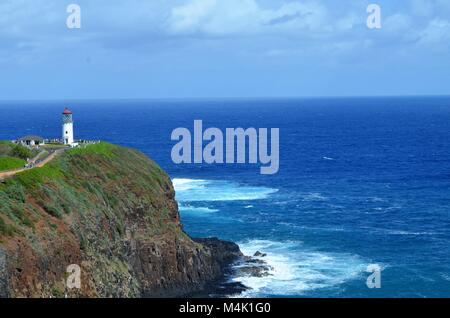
[31, 140]
[67, 128]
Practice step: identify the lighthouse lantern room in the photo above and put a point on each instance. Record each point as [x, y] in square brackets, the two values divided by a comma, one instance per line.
[67, 127]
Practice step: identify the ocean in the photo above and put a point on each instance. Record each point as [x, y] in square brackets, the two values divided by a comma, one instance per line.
[362, 181]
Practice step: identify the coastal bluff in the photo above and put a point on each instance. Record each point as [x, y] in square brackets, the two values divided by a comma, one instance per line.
[111, 211]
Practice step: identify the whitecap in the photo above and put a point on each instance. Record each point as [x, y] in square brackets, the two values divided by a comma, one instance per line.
[296, 270]
[445, 276]
[191, 190]
[314, 196]
[196, 209]
[400, 232]
[186, 184]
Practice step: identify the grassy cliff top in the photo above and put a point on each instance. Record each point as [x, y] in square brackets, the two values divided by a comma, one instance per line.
[79, 180]
[10, 163]
[13, 156]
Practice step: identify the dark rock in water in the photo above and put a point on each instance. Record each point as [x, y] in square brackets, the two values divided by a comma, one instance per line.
[254, 271]
[232, 288]
[255, 261]
[224, 254]
[233, 264]
[259, 254]
[221, 288]
[250, 266]
[222, 251]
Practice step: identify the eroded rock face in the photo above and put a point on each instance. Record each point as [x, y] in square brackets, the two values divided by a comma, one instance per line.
[4, 281]
[222, 251]
[112, 211]
[186, 268]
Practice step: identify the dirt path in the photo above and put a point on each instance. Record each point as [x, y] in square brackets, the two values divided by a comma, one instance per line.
[8, 174]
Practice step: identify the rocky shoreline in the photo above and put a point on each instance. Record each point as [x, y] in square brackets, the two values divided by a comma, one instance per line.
[233, 264]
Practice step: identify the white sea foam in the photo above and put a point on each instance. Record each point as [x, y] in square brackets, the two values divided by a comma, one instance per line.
[196, 209]
[400, 232]
[314, 196]
[295, 270]
[445, 276]
[191, 190]
[186, 184]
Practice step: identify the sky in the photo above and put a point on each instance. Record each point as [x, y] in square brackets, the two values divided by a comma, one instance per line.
[222, 48]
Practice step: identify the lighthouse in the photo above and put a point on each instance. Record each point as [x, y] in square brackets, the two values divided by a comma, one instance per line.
[67, 129]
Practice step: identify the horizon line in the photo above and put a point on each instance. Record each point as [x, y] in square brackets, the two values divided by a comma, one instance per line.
[205, 98]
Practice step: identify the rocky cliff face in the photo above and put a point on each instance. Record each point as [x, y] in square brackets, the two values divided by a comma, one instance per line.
[111, 211]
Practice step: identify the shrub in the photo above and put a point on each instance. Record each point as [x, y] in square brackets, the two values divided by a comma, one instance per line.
[5, 229]
[5, 148]
[53, 210]
[57, 292]
[16, 192]
[22, 152]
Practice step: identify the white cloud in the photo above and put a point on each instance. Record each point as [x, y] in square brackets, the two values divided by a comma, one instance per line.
[398, 23]
[225, 17]
[349, 22]
[437, 32]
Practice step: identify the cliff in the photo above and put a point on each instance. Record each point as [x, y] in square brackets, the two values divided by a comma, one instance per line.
[110, 210]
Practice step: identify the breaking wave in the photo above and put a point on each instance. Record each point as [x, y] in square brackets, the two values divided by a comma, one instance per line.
[295, 270]
[192, 190]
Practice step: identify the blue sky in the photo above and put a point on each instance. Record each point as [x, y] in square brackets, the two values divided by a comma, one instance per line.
[223, 48]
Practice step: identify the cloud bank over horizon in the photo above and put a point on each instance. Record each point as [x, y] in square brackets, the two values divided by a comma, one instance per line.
[222, 48]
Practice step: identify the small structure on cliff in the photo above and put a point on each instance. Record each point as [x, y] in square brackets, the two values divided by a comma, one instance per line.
[32, 140]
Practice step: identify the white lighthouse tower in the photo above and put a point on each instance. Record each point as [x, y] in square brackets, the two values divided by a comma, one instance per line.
[67, 127]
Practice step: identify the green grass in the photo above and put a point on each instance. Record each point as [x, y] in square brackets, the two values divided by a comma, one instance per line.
[53, 170]
[34, 177]
[10, 163]
[101, 177]
[102, 148]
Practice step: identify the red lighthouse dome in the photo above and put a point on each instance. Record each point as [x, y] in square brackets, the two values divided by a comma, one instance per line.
[67, 111]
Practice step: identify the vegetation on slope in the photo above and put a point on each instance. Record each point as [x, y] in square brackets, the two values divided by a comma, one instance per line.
[9, 163]
[74, 180]
[14, 156]
[8, 149]
[94, 206]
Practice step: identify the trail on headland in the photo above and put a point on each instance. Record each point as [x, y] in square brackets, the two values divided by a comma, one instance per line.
[11, 173]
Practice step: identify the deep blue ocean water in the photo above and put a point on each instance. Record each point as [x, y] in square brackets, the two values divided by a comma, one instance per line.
[362, 181]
